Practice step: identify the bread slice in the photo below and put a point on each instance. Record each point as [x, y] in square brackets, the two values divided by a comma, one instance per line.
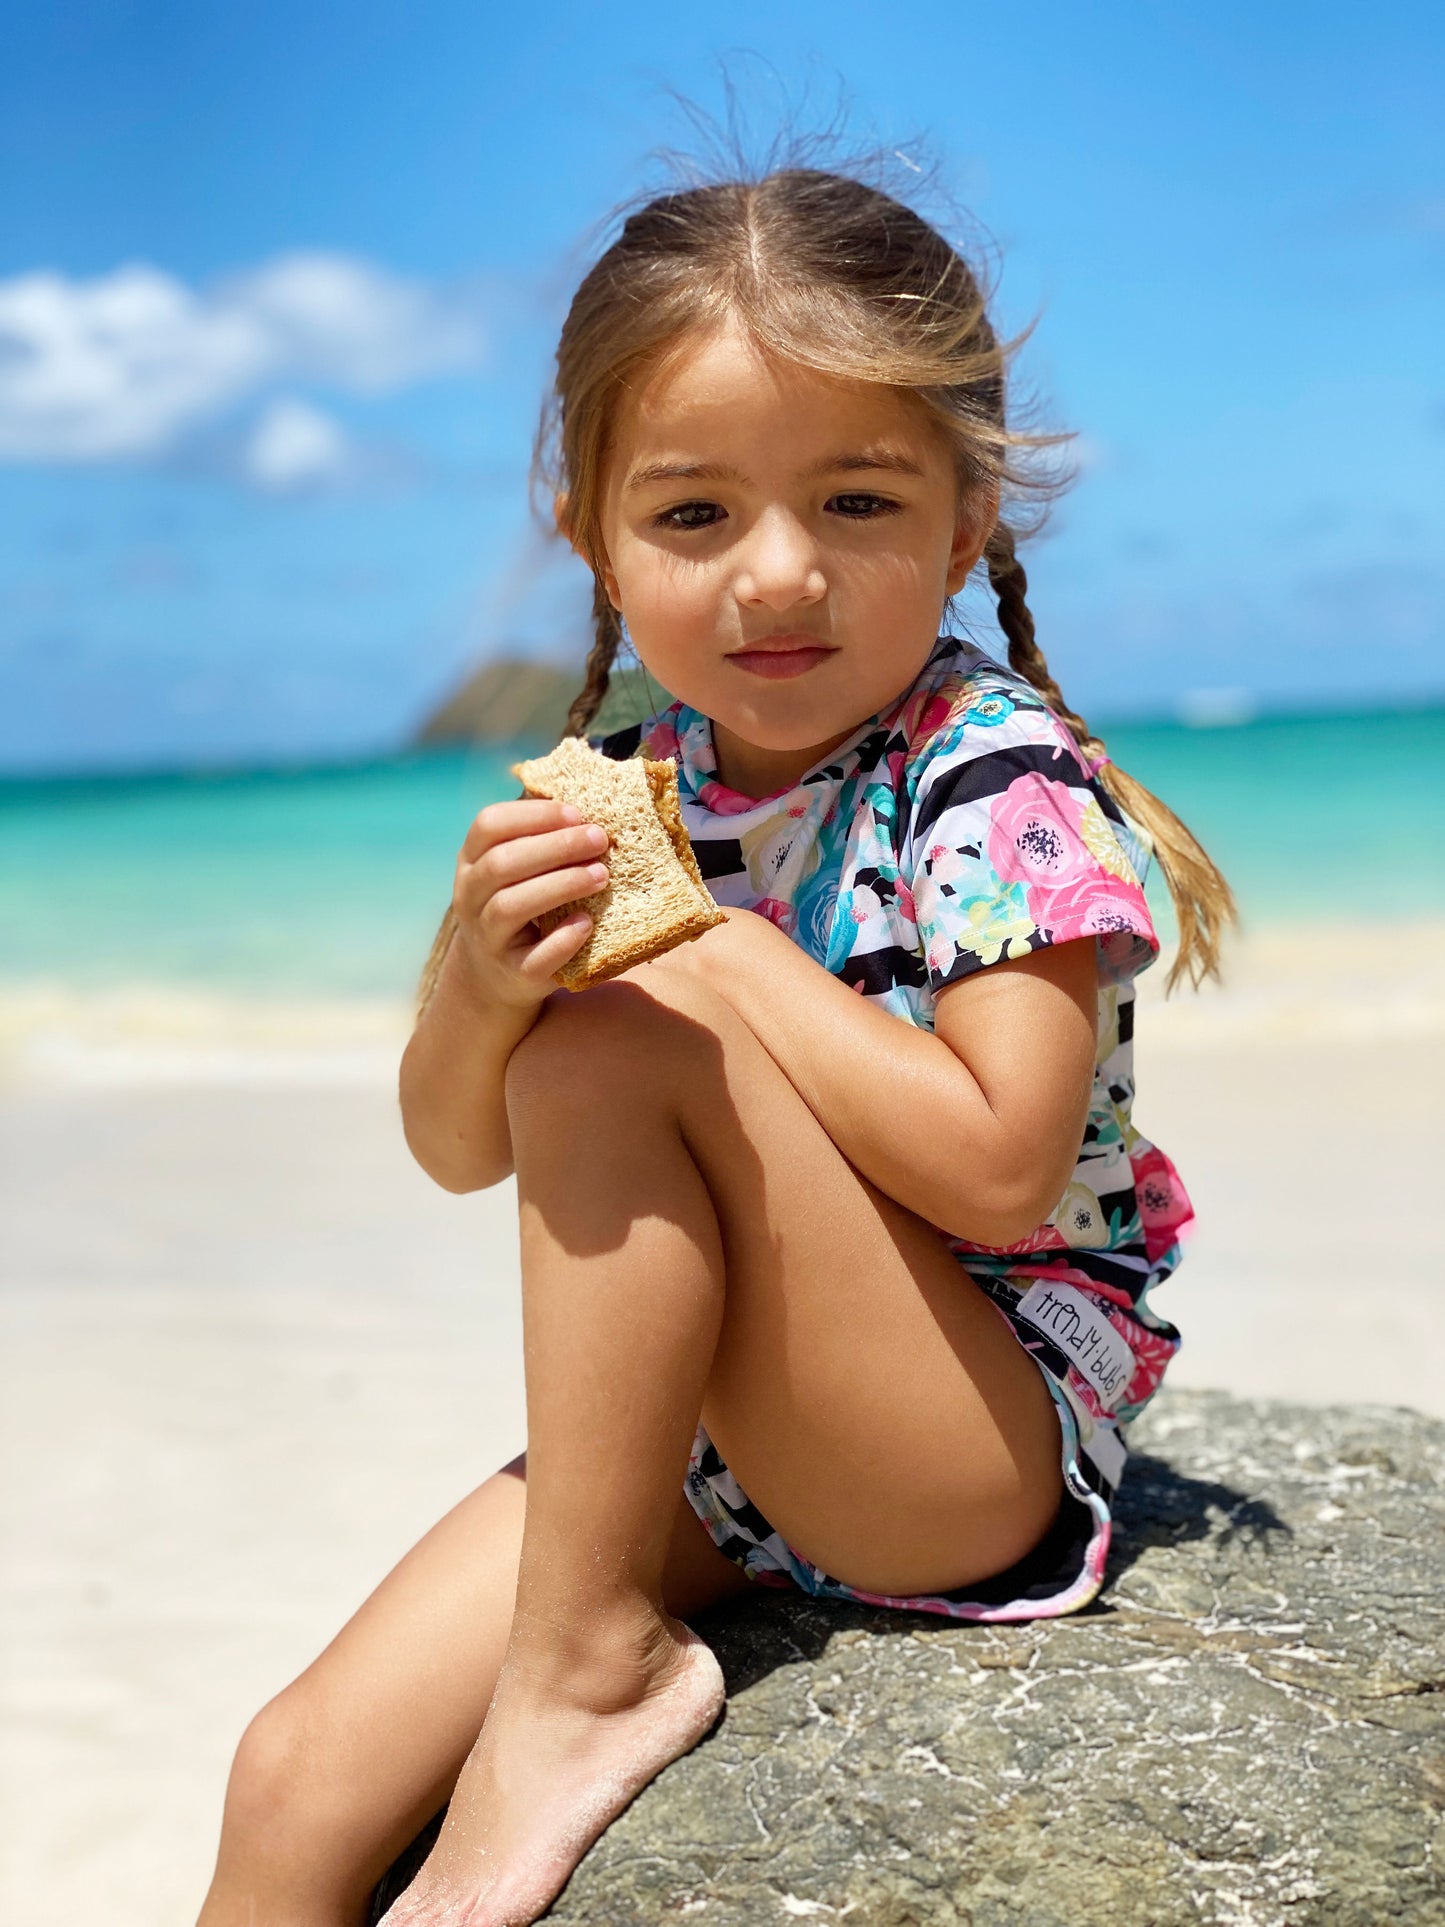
[656, 898]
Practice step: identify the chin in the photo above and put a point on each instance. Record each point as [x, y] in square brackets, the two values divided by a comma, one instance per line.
[788, 738]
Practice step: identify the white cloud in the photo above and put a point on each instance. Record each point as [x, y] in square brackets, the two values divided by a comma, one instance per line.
[123, 366]
[295, 446]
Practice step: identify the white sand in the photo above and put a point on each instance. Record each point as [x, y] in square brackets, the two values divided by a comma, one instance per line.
[250, 1352]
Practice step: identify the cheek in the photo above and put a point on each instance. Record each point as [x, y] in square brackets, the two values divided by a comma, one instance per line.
[890, 578]
[663, 596]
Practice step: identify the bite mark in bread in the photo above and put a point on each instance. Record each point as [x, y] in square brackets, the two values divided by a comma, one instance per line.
[656, 897]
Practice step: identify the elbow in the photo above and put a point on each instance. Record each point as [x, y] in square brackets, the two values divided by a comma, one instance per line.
[460, 1182]
[995, 1223]
[459, 1177]
[1017, 1199]
[460, 1174]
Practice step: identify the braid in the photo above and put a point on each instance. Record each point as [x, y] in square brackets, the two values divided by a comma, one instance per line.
[1010, 584]
[607, 628]
[1203, 901]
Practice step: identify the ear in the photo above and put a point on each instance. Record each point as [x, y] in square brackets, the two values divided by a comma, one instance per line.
[602, 570]
[977, 515]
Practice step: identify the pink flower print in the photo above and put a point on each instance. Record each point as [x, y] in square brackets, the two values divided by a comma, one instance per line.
[1091, 905]
[797, 809]
[778, 912]
[905, 901]
[724, 802]
[941, 953]
[1164, 1204]
[1045, 1238]
[945, 865]
[1152, 1353]
[932, 717]
[1035, 834]
[661, 741]
[911, 718]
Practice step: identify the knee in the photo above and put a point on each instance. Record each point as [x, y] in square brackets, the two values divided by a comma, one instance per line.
[629, 1035]
[274, 1817]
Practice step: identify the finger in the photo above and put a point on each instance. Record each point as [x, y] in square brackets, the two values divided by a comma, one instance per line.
[507, 911]
[528, 856]
[546, 957]
[524, 816]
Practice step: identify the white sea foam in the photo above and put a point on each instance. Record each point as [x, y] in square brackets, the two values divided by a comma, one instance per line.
[1322, 984]
[154, 1035]
[1314, 982]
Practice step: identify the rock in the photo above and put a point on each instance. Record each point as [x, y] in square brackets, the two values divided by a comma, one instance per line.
[511, 700]
[1245, 1728]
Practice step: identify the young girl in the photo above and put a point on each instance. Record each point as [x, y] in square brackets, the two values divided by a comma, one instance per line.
[836, 1234]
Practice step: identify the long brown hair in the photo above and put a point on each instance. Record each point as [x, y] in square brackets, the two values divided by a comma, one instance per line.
[831, 273]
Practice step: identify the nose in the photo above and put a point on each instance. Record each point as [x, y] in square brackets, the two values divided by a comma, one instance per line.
[779, 565]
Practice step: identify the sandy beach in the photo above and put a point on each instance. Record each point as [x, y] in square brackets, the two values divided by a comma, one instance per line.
[251, 1352]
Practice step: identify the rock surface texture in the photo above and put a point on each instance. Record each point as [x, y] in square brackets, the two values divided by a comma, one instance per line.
[1245, 1728]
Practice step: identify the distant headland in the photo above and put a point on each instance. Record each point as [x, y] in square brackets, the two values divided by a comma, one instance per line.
[511, 700]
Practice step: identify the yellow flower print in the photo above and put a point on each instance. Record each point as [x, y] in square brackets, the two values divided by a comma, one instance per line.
[997, 926]
[1078, 1219]
[781, 853]
[1103, 845]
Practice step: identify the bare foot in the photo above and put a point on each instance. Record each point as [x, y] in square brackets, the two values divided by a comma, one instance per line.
[564, 1749]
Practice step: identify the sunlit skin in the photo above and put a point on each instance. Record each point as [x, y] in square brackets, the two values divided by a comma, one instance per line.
[848, 532]
[713, 1208]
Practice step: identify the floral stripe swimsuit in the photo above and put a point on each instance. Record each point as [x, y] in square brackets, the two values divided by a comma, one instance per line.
[959, 826]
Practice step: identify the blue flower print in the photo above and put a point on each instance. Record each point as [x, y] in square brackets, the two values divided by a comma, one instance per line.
[988, 711]
[841, 933]
[817, 905]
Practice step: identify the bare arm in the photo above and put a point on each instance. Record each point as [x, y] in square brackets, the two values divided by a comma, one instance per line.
[977, 1127]
[453, 1107]
[518, 860]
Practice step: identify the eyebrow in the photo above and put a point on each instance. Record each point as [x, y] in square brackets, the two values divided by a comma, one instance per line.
[863, 461]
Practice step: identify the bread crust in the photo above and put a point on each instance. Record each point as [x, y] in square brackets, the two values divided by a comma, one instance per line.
[656, 898]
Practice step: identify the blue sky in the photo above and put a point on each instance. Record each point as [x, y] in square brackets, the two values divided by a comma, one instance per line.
[279, 285]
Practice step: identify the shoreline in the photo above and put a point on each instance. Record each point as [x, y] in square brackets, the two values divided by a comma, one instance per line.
[1325, 982]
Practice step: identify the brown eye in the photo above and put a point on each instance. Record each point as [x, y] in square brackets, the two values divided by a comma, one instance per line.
[859, 506]
[690, 515]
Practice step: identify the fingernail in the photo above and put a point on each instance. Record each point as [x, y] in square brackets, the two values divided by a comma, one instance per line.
[571, 813]
[597, 872]
[597, 837]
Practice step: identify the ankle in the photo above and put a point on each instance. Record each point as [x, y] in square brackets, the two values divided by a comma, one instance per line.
[612, 1655]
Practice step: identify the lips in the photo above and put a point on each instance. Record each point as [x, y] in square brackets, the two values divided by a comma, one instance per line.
[779, 658]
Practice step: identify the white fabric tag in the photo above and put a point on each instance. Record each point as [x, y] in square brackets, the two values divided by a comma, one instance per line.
[1083, 1334]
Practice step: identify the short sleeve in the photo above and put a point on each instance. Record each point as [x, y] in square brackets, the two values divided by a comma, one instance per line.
[1012, 846]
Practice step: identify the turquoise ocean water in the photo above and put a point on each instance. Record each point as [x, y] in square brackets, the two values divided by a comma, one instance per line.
[330, 882]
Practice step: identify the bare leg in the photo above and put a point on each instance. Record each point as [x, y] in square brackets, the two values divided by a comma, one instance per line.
[338, 1773]
[623, 1269]
[870, 1400]
[660, 1153]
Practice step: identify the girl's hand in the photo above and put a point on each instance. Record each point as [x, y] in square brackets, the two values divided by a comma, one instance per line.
[518, 860]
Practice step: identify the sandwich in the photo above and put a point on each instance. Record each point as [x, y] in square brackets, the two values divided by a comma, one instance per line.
[656, 898]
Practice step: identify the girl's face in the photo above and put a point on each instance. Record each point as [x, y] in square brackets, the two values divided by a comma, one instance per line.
[780, 545]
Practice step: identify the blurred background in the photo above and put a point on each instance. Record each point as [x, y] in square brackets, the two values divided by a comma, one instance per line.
[279, 288]
[277, 306]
